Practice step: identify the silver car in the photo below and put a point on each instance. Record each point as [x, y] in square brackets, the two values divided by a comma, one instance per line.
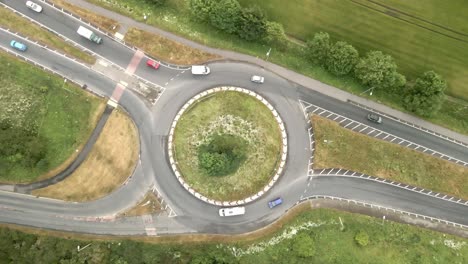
[257, 79]
[33, 6]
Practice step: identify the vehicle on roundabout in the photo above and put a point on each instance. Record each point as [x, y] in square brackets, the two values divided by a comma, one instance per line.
[374, 118]
[232, 211]
[153, 64]
[257, 79]
[33, 6]
[275, 202]
[200, 70]
[18, 45]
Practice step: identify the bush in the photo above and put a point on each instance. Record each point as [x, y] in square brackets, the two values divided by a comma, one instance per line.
[317, 48]
[202, 9]
[275, 35]
[341, 58]
[222, 155]
[362, 238]
[425, 97]
[225, 15]
[252, 24]
[378, 70]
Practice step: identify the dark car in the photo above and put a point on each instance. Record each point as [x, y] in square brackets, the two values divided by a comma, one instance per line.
[153, 64]
[275, 202]
[374, 118]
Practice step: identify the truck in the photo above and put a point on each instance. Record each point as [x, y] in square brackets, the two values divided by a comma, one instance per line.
[200, 70]
[86, 33]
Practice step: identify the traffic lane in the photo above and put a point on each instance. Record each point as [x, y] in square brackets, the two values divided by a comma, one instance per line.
[161, 76]
[67, 26]
[59, 63]
[390, 126]
[389, 196]
[119, 227]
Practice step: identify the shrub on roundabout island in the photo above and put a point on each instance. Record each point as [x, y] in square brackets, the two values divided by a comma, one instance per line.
[222, 155]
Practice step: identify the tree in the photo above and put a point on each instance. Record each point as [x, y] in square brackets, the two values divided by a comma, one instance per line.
[425, 97]
[378, 70]
[362, 238]
[341, 58]
[225, 15]
[275, 35]
[304, 245]
[317, 48]
[202, 9]
[252, 24]
[214, 163]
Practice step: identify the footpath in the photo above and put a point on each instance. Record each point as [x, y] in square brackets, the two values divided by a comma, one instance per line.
[295, 77]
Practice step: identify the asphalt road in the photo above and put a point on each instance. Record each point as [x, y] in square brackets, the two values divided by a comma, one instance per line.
[154, 123]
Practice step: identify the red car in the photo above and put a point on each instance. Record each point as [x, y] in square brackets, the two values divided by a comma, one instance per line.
[152, 64]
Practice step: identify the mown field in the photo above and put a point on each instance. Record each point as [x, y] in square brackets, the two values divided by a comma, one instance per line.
[43, 120]
[415, 44]
[314, 236]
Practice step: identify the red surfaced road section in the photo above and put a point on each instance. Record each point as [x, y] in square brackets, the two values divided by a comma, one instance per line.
[134, 62]
[119, 89]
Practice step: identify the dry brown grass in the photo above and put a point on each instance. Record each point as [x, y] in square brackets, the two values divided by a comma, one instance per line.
[166, 49]
[149, 205]
[350, 150]
[108, 165]
[93, 120]
[23, 26]
[108, 24]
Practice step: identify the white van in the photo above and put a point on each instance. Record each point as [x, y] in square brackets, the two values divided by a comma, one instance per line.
[200, 70]
[232, 211]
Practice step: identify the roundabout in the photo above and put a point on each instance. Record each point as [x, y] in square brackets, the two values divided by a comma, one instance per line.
[227, 146]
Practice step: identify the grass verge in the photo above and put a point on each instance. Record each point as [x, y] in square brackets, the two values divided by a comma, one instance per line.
[149, 205]
[23, 26]
[44, 121]
[105, 23]
[235, 114]
[166, 49]
[320, 228]
[385, 160]
[108, 165]
[176, 17]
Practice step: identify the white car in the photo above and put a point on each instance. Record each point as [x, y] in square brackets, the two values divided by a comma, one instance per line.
[240, 210]
[257, 79]
[33, 6]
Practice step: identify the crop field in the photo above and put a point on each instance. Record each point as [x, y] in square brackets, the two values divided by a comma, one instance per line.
[420, 35]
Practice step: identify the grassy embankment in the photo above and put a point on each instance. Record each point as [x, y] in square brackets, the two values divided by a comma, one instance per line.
[239, 115]
[45, 122]
[108, 165]
[415, 49]
[23, 26]
[318, 229]
[385, 160]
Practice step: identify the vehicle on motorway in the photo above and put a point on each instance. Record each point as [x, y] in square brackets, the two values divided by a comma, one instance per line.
[86, 33]
[231, 211]
[33, 6]
[153, 64]
[374, 118]
[200, 70]
[275, 202]
[18, 45]
[257, 79]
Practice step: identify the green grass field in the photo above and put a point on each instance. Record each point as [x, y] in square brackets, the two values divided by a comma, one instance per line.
[40, 105]
[235, 114]
[388, 243]
[385, 160]
[369, 26]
